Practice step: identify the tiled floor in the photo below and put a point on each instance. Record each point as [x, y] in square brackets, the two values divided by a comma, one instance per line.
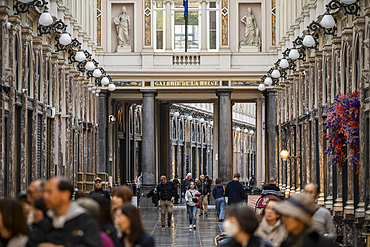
[179, 234]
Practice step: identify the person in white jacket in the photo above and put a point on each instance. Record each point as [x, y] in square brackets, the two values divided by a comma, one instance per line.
[191, 201]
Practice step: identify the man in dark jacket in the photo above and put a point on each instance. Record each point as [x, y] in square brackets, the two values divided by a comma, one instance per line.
[167, 193]
[272, 185]
[99, 190]
[234, 191]
[186, 183]
[67, 223]
[204, 188]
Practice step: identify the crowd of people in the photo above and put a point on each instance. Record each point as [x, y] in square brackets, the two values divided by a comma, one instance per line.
[50, 214]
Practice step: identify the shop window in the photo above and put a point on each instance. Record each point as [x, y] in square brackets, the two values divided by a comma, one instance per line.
[39, 92]
[181, 132]
[357, 61]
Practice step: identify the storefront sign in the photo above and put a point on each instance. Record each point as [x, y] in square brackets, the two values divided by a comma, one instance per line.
[187, 83]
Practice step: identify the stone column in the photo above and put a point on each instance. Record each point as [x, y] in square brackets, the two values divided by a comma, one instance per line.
[203, 45]
[164, 140]
[271, 123]
[215, 140]
[259, 146]
[225, 142]
[148, 146]
[103, 119]
[168, 25]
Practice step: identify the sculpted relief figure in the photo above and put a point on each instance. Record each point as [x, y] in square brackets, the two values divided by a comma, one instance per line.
[251, 31]
[123, 26]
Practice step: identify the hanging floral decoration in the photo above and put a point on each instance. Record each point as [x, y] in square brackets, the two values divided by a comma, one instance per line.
[342, 125]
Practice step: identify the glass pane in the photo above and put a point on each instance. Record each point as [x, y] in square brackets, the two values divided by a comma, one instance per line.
[212, 5]
[190, 5]
[193, 30]
[159, 28]
[212, 30]
[159, 4]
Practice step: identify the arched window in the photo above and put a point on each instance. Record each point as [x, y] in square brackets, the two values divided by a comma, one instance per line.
[174, 137]
[29, 64]
[198, 134]
[17, 86]
[181, 132]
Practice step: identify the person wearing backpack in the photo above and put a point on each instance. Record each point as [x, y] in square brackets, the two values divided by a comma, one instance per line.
[218, 193]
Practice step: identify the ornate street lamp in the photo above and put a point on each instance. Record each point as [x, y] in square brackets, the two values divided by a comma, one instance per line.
[284, 154]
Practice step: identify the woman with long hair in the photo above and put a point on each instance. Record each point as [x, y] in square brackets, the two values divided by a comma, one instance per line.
[13, 226]
[120, 195]
[129, 223]
[191, 200]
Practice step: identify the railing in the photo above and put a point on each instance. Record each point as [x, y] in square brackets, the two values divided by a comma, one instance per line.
[186, 59]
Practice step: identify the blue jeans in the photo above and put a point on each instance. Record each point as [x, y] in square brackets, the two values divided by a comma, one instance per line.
[220, 207]
[192, 210]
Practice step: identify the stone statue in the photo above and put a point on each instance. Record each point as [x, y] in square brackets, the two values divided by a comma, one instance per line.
[123, 26]
[251, 31]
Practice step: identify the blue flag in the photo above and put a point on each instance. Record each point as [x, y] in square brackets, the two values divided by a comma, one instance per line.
[185, 3]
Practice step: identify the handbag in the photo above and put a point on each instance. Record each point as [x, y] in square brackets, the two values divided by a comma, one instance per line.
[194, 199]
[199, 205]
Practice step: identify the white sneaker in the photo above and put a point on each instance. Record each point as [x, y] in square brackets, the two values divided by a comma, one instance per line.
[191, 226]
[194, 227]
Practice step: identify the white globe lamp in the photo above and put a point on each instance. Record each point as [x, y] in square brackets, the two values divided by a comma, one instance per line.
[284, 63]
[348, 1]
[45, 18]
[251, 132]
[65, 38]
[327, 21]
[237, 129]
[105, 81]
[190, 118]
[268, 81]
[80, 56]
[111, 87]
[176, 114]
[201, 120]
[308, 40]
[275, 73]
[261, 87]
[97, 73]
[90, 65]
[294, 54]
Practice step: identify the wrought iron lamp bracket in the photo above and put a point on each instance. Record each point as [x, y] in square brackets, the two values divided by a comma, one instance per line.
[349, 9]
[56, 26]
[20, 7]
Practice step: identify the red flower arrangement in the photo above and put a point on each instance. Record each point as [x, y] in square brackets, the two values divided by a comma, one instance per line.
[343, 125]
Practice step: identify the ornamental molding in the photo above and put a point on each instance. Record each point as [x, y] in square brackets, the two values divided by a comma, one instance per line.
[224, 11]
[147, 11]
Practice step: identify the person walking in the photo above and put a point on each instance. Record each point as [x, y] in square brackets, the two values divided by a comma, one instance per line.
[167, 192]
[240, 227]
[234, 191]
[271, 227]
[66, 219]
[322, 221]
[176, 182]
[139, 183]
[128, 220]
[98, 189]
[296, 215]
[205, 189]
[191, 200]
[218, 193]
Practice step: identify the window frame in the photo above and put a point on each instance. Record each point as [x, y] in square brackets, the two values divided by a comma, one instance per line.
[155, 10]
[217, 10]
